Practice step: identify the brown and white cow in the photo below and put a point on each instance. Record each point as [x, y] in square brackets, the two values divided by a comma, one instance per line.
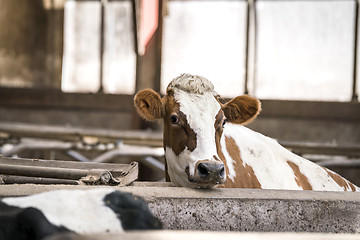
[202, 151]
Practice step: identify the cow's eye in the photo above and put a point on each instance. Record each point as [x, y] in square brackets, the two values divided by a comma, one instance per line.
[174, 119]
[224, 122]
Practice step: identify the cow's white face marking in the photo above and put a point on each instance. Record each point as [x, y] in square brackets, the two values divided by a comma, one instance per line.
[77, 210]
[200, 111]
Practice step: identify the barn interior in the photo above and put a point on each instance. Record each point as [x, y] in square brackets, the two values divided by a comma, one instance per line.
[69, 70]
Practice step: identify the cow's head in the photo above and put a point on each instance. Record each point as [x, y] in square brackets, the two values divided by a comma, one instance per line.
[194, 119]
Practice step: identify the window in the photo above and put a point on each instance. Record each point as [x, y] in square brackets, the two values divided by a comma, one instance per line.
[305, 50]
[206, 38]
[82, 52]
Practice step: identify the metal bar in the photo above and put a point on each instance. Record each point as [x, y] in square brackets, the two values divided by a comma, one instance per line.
[255, 29]
[35, 180]
[326, 149]
[247, 43]
[126, 150]
[77, 156]
[78, 134]
[48, 172]
[153, 163]
[102, 27]
[354, 97]
[135, 25]
[88, 173]
[340, 163]
[38, 145]
[116, 169]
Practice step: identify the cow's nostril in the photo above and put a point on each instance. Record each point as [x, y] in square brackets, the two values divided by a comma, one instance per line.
[203, 170]
[222, 170]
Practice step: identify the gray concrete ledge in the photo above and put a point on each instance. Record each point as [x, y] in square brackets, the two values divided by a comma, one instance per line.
[196, 235]
[238, 209]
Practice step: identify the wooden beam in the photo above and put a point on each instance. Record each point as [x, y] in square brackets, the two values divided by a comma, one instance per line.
[52, 98]
[80, 134]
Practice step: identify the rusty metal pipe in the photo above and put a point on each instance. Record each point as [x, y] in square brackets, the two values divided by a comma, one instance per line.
[48, 172]
[35, 180]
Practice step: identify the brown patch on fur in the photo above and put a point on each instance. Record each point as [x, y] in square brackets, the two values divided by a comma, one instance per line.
[341, 181]
[218, 133]
[353, 189]
[179, 136]
[245, 176]
[149, 105]
[242, 109]
[167, 177]
[301, 180]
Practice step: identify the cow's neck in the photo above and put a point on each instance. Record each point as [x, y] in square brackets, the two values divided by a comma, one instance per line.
[239, 173]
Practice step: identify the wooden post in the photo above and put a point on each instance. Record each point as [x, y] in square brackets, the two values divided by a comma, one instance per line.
[148, 65]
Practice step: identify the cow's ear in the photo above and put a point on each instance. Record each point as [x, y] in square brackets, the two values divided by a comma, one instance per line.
[242, 109]
[148, 104]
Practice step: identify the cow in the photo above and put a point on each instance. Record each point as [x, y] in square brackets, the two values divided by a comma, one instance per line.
[207, 145]
[100, 210]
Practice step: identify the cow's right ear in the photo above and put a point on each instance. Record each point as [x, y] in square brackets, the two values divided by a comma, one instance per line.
[149, 105]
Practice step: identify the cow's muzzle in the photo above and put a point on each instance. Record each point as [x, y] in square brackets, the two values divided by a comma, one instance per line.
[208, 173]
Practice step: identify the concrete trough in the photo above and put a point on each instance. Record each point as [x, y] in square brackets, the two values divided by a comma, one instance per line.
[238, 209]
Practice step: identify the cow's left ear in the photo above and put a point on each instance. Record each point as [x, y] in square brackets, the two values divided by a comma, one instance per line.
[242, 109]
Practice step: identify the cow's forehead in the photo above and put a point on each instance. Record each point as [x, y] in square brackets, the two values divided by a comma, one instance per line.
[198, 108]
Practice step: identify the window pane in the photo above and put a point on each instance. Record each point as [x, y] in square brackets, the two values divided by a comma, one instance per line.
[206, 38]
[119, 55]
[305, 50]
[81, 68]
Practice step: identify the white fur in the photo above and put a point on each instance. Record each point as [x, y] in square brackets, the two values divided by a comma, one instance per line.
[82, 211]
[200, 111]
[230, 163]
[256, 153]
[177, 165]
[191, 84]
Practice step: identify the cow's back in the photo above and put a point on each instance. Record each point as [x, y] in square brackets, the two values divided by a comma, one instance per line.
[255, 161]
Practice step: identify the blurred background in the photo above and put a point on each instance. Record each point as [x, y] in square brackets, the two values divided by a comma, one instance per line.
[69, 70]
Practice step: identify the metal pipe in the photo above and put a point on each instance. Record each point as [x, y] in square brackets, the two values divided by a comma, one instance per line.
[340, 163]
[77, 156]
[153, 163]
[102, 43]
[38, 145]
[48, 172]
[35, 180]
[354, 97]
[255, 29]
[247, 43]
[126, 150]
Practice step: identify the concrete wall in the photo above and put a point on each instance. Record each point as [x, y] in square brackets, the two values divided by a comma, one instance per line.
[238, 209]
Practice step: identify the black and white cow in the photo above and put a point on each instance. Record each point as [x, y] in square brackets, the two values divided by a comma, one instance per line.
[100, 210]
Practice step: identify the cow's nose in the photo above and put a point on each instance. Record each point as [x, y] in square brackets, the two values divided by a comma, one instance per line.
[210, 171]
[207, 169]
